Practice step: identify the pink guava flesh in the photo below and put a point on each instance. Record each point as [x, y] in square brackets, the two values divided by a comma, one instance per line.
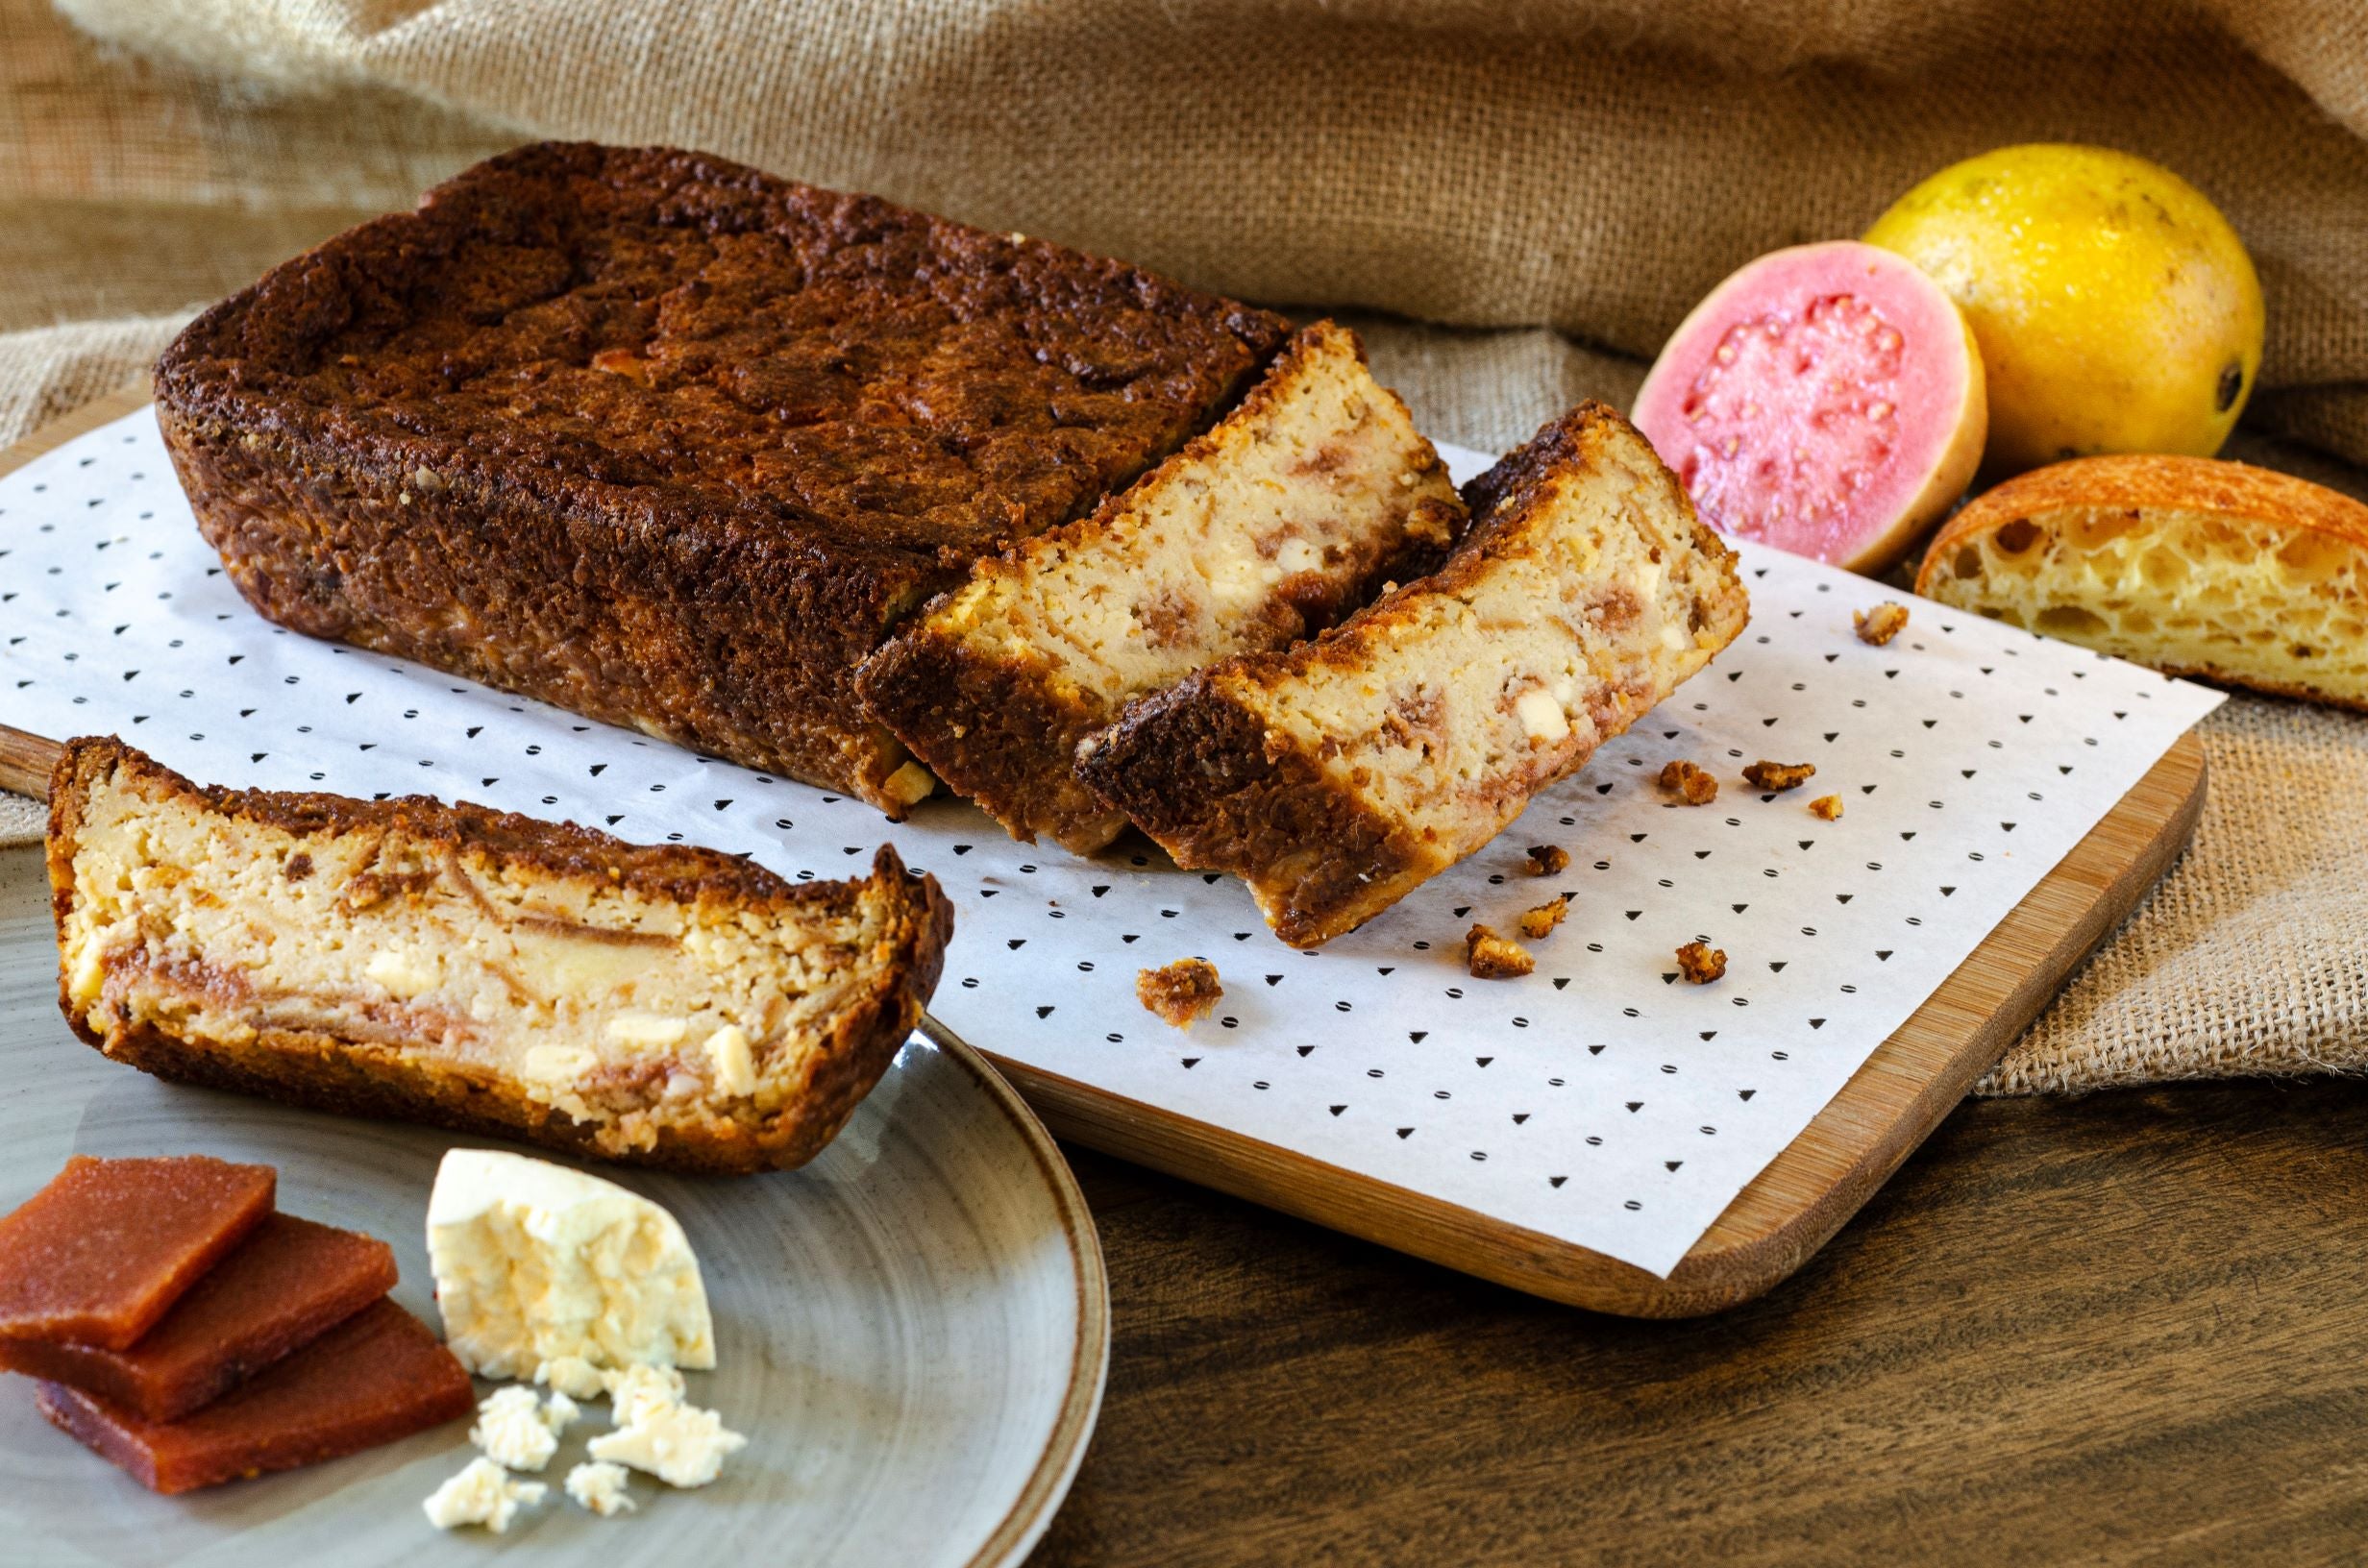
[1825, 400]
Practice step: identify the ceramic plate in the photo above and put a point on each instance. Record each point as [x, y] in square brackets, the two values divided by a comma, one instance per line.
[912, 1330]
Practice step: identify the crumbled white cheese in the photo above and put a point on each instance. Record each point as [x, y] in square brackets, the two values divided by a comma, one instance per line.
[646, 1029]
[638, 1390]
[1541, 715]
[680, 1444]
[572, 1375]
[535, 1263]
[599, 1486]
[511, 1431]
[559, 1413]
[483, 1494]
[401, 972]
[561, 1064]
[735, 1068]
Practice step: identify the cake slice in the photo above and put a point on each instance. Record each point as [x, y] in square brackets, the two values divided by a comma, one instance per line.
[1289, 514]
[669, 1005]
[670, 442]
[1336, 777]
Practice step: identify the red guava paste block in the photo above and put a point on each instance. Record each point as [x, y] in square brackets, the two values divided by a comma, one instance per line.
[281, 1289]
[377, 1376]
[102, 1251]
[1827, 400]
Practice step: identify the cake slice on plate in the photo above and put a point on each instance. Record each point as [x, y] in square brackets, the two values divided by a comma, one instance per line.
[667, 1005]
[1336, 776]
[1281, 521]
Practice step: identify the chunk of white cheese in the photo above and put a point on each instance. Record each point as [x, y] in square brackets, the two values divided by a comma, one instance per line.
[481, 1494]
[646, 1029]
[572, 1375]
[1542, 717]
[535, 1263]
[513, 1432]
[680, 1444]
[735, 1067]
[638, 1390]
[599, 1486]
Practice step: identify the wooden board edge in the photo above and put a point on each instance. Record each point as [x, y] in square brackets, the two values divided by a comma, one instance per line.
[1731, 1264]
[1734, 1263]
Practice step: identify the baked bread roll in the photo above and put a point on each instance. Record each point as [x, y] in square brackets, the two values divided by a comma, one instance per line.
[667, 1006]
[2194, 566]
[1336, 777]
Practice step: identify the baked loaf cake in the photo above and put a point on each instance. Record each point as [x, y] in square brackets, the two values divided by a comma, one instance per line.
[1289, 514]
[667, 1006]
[1336, 777]
[670, 442]
[2191, 565]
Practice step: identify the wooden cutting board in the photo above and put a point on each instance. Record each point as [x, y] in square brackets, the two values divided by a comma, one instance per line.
[1777, 1221]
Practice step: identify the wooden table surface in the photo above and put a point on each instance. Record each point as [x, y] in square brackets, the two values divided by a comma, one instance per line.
[2126, 1328]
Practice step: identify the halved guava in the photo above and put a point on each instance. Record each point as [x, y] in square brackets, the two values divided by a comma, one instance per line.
[1826, 400]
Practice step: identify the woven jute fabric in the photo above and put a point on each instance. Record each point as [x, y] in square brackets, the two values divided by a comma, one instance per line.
[1514, 200]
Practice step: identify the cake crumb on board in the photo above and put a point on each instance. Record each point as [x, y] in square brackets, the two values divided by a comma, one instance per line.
[1700, 963]
[1689, 783]
[1880, 624]
[1780, 776]
[1182, 993]
[1542, 921]
[1491, 957]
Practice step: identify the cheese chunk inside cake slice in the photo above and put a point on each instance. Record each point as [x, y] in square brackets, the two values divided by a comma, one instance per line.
[478, 970]
[1289, 514]
[1337, 775]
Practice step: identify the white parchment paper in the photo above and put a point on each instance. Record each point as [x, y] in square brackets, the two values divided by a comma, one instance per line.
[1602, 1099]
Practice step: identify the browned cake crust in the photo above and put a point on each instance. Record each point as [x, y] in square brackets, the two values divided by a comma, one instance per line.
[364, 1077]
[670, 442]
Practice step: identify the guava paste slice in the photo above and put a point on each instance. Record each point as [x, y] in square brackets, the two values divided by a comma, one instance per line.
[1826, 400]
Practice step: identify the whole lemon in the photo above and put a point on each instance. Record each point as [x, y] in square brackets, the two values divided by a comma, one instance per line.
[2115, 308]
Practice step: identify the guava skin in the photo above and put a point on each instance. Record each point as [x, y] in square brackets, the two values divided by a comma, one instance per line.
[2115, 308]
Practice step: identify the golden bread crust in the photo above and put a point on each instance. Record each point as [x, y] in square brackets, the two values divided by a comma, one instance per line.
[2256, 516]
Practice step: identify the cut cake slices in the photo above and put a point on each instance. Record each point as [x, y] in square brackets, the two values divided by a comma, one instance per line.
[1289, 515]
[671, 442]
[665, 1005]
[1335, 777]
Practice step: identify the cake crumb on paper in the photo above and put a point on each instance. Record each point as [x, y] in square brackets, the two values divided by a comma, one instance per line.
[1546, 859]
[1542, 921]
[1826, 806]
[1182, 993]
[1880, 624]
[1700, 963]
[1781, 775]
[1691, 784]
[1491, 957]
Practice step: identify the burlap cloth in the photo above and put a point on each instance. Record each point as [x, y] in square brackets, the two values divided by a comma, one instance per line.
[1545, 185]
